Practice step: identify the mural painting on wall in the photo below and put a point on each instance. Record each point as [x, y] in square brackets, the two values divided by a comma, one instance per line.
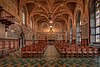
[14, 31]
[2, 30]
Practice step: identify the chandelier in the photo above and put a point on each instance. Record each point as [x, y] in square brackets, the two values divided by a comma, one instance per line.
[50, 21]
[51, 30]
[50, 17]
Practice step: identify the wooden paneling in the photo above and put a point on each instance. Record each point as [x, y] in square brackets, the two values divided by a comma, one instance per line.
[7, 46]
[28, 42]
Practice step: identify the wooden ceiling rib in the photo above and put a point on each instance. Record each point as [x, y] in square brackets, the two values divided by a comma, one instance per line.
[45, 10]
[30, 6]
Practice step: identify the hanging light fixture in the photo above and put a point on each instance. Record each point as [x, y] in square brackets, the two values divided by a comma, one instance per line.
[51, 30]
[50, 21]
[50, 17]
[50, 26]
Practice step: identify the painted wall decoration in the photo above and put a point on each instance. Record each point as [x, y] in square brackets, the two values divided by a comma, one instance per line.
[2, 30]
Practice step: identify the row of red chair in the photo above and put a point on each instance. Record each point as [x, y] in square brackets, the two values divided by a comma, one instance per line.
[36, 50]
[77, 51]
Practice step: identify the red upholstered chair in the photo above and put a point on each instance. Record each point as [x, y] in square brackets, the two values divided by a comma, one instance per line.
[90, 52]
[60, 48]
[85, 53]
[63, 52]
[28, 51]
[79, 51]
[23, 52]
[68, 52]
[39, 52]
[33, 51]
[74, 52]
[95, 51]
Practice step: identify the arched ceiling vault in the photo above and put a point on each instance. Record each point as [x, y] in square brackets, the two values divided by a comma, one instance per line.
[45, 10]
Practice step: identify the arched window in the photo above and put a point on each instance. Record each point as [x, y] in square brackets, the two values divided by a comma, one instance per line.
[78, 29]
[71, 32]
[95, 22]
[24, 16]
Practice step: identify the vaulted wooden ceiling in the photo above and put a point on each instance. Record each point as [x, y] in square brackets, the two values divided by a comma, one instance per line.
[46, 10]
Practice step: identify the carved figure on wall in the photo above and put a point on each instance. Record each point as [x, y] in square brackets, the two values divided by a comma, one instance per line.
[22, 39]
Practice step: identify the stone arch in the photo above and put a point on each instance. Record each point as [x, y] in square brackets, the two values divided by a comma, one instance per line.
[58, 27]
[44, 27]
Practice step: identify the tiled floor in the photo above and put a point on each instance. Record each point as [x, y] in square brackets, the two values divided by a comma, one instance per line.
[51, 58]
[51, 53]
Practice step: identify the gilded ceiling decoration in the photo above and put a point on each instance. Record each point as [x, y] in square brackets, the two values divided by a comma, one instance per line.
[50, 11]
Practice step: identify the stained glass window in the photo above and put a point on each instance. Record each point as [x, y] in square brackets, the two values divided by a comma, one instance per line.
[24, 16]
[70, 31]
[95, 22]
[78, 29]
[97, 38]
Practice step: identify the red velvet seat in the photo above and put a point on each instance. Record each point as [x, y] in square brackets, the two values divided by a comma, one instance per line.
[79, 51]
[68, 52]
[85, 52]
[90, 52]
[95, 51]
[74, 52]
[63, 52]
[28, 51]
[33, 51]
[23, 52]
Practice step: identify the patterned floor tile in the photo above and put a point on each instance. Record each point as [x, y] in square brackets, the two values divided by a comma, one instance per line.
[51, 58]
